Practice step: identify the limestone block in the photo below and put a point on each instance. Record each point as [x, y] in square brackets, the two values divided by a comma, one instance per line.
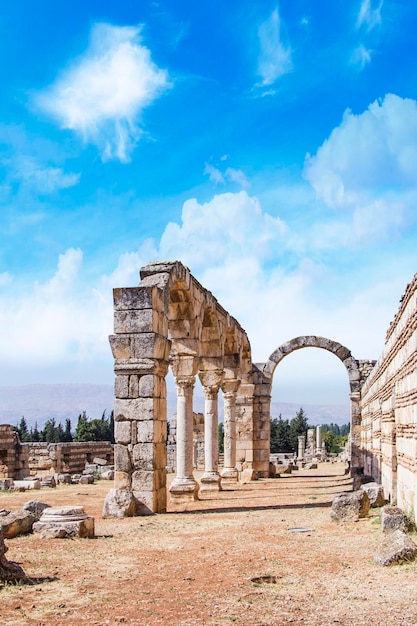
[36, 508]
[148, 386]
[133, 298]
[134, 409]
[350, 506]
[361, 479]
[122, 432]
[119, 503]
[122, 480]
[375, 494]
[143, 455]
[142, 481]
[145, 432]
[6, 483]
[150, 345]
[121, 386]
[396, 547]
[122, 459]
[121, 346]
[248, 475]
[87, 479]
[392, 519]
[134, 386]
[108, 475]
[17, 523]
[136, 321]
[27, 484]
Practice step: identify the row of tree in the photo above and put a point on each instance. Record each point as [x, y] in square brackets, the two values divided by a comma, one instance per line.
[285, 433]
[87, 429]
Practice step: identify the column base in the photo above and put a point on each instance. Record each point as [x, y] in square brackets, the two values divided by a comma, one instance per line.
[184, 490]
[229, 475]
[210, 481]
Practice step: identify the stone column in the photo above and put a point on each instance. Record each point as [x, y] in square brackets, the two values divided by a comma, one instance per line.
[210, 480]
[184, 487]
[230, 473]
[318, 437]
[301, 445]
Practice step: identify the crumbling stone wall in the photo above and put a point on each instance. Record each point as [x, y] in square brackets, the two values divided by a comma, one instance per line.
[21, 460]
[389, 409]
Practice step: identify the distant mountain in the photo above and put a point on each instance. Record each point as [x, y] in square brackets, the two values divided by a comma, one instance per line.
[39, 403]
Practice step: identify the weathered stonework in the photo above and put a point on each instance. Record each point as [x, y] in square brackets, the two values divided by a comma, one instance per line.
[389, 409]
[22, 460]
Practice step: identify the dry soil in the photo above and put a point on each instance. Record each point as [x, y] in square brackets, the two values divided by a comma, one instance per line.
[236, 557]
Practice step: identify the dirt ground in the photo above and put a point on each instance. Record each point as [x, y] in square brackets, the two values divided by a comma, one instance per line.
[195, 567]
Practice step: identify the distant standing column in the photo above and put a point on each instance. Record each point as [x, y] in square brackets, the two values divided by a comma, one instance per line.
[318, 438]
[301, 446]
[210, 480]
[230, 473]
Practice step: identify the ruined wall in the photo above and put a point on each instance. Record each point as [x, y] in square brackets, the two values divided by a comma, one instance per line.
[20, 460]
[389, 409]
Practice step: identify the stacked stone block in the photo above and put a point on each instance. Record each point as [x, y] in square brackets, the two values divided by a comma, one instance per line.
[389, 408]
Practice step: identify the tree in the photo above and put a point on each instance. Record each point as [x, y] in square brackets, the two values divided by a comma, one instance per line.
[298, 426]
[280, 435]
[23, 430]
[220, 430]
[67, 435]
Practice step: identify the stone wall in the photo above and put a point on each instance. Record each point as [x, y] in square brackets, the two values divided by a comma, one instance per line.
[20, 460]
[389, 409]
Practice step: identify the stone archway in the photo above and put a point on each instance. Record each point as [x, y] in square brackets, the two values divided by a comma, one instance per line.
[263, 373]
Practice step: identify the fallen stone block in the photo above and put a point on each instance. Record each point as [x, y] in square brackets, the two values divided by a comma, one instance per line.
[27, 483]
[361, 479]
[63, 479]
[375, 494]
[99, 461]
[392, 519]
[87, 479]
[309, 466]
[248, 475]
[48, 481]
[6, 484]
[64, 522]
[17, 523]
[350, 506]
[396, 547]
[36, 508]
[108, 475]
[120, 503]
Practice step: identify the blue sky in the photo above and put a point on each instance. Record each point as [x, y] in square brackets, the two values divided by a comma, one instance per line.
[270, 146]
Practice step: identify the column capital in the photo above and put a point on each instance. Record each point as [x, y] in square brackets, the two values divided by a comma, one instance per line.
[184, 384]
[211, 380]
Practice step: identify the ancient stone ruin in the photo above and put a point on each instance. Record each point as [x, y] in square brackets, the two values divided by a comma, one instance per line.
[170, 320]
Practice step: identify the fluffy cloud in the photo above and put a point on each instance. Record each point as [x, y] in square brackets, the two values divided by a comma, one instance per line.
[367, 168]
[102, 95]
[54, 322]
[275, 54]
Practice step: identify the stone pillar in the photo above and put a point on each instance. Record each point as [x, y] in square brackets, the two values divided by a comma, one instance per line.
[318, 438]
[210, 480]
[184, 487]
[229, 472]
[301, 446]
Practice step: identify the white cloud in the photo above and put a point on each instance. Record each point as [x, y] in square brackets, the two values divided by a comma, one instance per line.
[214, 174]
[41, 179]
[5, 279]
[275, 54]
[369, 15]
[360, 57]
[230, 174]
[368, 166]
[103, 94]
